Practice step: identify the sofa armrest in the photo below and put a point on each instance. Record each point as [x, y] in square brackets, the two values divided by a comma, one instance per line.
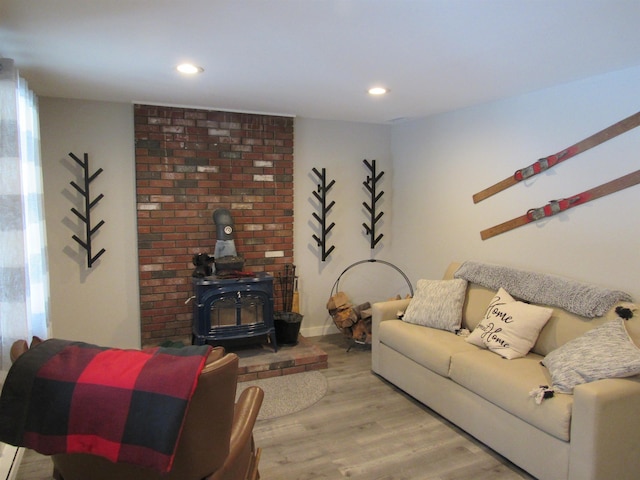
[388, 310]
[380, 312]
[605, 430]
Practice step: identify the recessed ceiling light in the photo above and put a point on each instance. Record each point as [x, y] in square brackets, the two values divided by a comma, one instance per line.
[189, 68]
[378, 91]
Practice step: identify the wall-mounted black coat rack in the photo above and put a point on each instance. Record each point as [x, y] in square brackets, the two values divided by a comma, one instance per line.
[88, 205]
[370, 185]
[321, 195]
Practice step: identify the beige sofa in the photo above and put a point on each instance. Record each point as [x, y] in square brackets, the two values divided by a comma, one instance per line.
[593, 433]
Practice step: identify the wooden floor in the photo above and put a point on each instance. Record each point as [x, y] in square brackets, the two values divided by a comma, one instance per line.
[364, 428]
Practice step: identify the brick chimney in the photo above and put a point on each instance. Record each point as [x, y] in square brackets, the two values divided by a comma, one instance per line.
[189, 163]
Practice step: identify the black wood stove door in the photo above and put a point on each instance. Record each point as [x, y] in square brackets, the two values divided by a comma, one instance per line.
[232, 309]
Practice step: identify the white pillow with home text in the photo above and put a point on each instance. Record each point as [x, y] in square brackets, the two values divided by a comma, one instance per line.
[509, 328]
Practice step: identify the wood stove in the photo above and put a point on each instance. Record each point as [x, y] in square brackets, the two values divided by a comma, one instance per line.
[233, 309]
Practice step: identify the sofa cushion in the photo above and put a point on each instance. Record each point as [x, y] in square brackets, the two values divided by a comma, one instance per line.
[437, 304]
[507, 383]
[430, 347]
[606, 351]
[509, 328]
[564, 326]
[476, 299]
[475, 305]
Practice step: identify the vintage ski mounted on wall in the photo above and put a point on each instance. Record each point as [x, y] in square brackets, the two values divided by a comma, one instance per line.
[557, 206]
[547, 162]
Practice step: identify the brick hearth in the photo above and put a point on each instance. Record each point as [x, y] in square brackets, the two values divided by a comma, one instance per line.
[261, 361]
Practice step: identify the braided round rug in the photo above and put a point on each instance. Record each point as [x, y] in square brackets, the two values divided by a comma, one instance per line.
[288, 394]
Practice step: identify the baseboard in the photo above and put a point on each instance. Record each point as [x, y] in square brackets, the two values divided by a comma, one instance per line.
[318, 331]
[10, 458]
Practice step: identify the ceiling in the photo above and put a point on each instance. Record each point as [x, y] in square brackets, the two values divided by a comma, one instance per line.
[316, 58]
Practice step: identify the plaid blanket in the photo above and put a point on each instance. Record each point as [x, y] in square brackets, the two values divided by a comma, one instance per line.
[124, 405]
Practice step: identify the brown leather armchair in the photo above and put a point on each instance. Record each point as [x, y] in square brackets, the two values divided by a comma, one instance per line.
[18, 348]
[216, 441]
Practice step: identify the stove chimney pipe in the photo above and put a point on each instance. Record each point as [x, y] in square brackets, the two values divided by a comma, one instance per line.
[224, 224]
[225, 246]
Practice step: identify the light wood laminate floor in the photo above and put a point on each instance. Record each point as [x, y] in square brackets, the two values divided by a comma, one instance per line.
[363, 429]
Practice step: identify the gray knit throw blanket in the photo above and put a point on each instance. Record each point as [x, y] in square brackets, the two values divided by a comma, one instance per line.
[580, 298]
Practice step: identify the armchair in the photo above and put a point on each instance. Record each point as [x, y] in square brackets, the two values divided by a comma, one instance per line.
[216, 441]
[18, 348]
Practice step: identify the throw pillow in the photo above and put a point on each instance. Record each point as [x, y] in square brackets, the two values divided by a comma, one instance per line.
[606, 351]
[509, 328]
[437, 304]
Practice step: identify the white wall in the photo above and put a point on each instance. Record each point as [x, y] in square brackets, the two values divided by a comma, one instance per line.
[441, 162]
[99, 304]
[432, 168]
[340, 148]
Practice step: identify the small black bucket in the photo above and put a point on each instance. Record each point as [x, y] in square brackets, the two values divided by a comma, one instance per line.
[287, 326]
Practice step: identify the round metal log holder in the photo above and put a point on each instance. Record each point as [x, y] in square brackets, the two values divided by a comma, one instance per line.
[336, 286]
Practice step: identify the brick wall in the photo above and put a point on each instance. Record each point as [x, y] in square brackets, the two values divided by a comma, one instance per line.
[188, 164]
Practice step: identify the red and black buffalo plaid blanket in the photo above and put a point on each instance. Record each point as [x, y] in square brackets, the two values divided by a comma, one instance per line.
[124, 405]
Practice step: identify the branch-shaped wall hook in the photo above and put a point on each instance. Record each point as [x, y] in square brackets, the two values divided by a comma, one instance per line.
[88, 205]
[321, 196]
[370, 185]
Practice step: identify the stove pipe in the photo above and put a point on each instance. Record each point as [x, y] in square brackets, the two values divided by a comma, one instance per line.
[225, 246]
[224, 224]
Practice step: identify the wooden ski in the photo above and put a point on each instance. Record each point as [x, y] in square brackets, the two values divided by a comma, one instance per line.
[557, 206]
[547, 162]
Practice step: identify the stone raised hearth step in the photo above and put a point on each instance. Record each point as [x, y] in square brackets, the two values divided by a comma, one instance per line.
[260, 361]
